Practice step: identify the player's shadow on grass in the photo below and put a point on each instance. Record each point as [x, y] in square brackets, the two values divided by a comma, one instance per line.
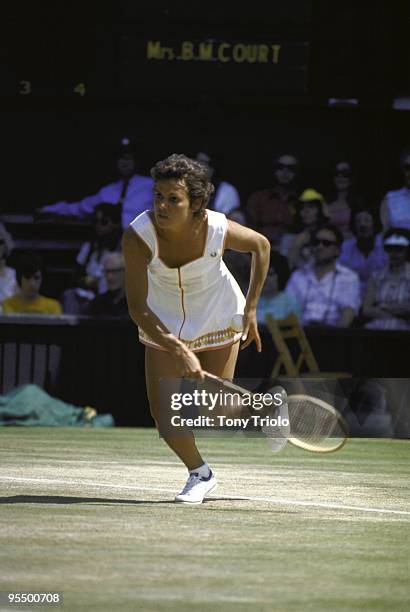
[101, 501]
[60, 499]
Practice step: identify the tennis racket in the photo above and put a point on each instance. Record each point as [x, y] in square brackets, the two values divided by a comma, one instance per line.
[314, 425]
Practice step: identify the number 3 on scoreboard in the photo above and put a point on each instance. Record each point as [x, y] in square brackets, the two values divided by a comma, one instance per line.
[25, 88]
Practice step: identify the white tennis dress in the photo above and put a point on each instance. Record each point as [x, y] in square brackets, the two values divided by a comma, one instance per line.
[196, 301]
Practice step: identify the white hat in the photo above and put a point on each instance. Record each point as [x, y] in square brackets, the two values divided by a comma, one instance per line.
[397, 240]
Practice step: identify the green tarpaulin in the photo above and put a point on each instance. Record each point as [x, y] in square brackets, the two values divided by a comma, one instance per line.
[31, 406]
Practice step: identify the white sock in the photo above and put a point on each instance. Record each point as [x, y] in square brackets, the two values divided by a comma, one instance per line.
[203, 470]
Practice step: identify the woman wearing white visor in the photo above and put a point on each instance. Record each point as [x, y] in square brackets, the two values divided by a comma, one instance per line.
[387, 301]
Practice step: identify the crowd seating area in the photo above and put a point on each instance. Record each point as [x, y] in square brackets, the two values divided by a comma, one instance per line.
[338, 262]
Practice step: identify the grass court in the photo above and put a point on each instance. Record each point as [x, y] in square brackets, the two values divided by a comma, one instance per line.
[91, 513]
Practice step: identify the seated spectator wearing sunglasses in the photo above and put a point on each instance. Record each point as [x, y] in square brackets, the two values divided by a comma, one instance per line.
[28, 300]
[270, 211]
[387, 300]
[328, 293]
[395, 207]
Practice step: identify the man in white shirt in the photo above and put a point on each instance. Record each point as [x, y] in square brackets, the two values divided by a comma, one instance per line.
[329, 293]
[132, 192]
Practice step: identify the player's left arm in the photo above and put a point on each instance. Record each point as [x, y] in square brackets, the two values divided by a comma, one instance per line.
[245, 240]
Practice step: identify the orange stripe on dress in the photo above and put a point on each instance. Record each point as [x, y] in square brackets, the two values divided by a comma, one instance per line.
[182, 302]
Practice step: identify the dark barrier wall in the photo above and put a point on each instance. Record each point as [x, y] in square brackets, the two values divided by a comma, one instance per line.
[101, 363]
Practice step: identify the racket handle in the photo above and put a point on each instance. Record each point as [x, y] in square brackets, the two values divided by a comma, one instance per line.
[226, 383]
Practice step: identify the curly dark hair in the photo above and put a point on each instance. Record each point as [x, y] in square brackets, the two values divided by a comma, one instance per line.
[193, 173]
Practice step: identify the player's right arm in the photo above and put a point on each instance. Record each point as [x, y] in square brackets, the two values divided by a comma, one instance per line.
[136, 256]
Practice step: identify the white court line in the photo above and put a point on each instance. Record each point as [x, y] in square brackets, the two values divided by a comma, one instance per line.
[272, 500]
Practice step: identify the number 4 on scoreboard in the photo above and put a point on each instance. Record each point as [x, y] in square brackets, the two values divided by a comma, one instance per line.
[80, 89]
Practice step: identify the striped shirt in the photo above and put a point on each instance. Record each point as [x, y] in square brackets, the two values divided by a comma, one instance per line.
[390, 287]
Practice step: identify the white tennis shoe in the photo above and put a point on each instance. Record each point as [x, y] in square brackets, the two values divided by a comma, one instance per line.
[196, 488]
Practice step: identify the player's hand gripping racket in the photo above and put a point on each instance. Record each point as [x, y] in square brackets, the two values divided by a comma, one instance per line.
[314, 425]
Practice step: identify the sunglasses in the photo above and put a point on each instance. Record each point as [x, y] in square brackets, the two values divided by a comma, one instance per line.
[406, 167]
[394, 248]
[344, 173]
[290, 167]
[323, 242]
[2, 241]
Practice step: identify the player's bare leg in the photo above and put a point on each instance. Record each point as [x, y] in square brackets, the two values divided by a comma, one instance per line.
[220, 362]
[159, 364]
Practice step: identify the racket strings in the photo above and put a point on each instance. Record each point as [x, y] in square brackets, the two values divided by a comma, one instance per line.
[315, 425]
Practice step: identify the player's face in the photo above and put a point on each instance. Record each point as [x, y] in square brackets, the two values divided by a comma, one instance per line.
[172, 206]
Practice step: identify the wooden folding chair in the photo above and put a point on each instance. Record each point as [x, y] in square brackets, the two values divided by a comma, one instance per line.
[290, 328]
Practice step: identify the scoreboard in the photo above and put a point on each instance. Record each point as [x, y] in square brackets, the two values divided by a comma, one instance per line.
[128, 52]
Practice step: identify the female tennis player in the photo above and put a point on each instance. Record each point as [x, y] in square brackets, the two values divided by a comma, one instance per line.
[184, 299]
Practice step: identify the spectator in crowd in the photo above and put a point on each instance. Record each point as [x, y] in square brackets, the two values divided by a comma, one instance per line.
[28, 300]
[343, 198]
[310, 214]
[364, 253]
[240, 266]
[270, 211]
[329, 294]
[225, 198]
[113, 302]
[89, 278]
[238, 263]
[395, 207]
[387, 300]
[8, 282]
[273, 299]
[132, 193]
